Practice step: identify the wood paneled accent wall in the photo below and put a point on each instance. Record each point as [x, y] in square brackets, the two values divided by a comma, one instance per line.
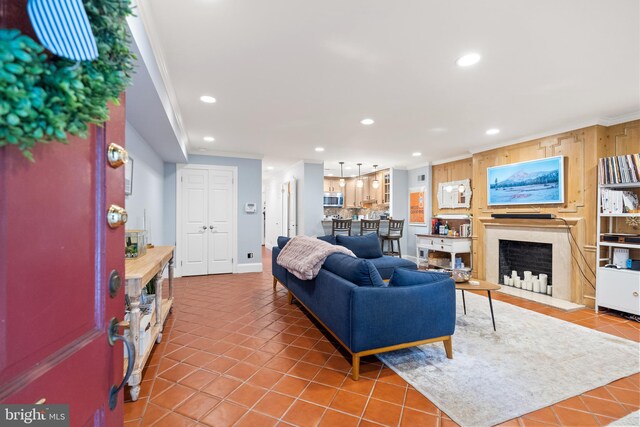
[445, 172]
[582, 148]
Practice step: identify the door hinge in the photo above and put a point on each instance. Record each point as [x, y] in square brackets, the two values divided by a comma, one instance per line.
[181, 179]
[180, 263]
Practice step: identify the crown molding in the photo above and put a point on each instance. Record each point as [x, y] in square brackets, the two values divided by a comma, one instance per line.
[452, 159]
[227, 154]
[157, 56]
[615, 120]
[573, 126]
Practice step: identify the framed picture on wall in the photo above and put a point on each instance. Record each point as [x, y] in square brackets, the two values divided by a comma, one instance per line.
[128, 177]
[416, 205]
[527, 183]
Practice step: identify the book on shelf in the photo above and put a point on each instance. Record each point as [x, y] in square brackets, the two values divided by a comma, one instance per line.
[618, 201]
[623, 169]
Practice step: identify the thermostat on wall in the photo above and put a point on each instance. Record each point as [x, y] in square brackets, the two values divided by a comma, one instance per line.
[250, 207]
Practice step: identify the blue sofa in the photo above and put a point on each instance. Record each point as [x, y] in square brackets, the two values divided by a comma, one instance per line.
[366, 314]
[367, 246]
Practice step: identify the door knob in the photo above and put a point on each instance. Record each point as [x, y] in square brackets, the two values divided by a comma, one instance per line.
[211, 227]
[116, 155]
[116, 216]
[204, 227]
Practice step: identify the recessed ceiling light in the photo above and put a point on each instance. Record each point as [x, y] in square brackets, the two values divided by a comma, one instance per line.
[269, 168]
[493, 131]
[209, 138]
[416, 154]
[367, 122]
[329, 174]
[319, 149]
[468, 60]
[202, 149]
[208, 99]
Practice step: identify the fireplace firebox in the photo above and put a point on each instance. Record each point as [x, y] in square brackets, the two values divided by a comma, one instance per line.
[522, 257]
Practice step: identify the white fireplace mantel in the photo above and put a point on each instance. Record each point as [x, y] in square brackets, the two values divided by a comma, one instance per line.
[553, 231]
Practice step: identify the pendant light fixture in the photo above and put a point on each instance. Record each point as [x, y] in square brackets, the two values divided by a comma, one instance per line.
[359, 182]
[375, 183]
[342, 182]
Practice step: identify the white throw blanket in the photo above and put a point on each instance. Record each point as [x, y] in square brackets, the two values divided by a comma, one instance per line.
[303, 256]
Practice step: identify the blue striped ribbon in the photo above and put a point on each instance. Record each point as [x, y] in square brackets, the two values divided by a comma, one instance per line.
[62, 27]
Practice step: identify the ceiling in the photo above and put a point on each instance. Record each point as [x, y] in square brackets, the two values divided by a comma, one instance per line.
[290, 75]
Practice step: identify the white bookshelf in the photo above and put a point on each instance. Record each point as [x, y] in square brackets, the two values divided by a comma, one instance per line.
[616, 288]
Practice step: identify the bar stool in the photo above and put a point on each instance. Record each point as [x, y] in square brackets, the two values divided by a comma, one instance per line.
[394, 234]
[340, 226]
[369, 226]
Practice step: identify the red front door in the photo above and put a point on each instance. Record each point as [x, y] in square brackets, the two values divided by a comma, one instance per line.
[56, 255]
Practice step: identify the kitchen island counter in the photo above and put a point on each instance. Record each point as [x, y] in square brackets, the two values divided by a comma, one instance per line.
[355, 226]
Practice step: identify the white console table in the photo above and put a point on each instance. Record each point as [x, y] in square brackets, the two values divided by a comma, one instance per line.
[438, 243]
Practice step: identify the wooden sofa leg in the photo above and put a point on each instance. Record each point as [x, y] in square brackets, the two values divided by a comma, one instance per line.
[290, 297]
[448, 348]
[356, 366]
[275, 282]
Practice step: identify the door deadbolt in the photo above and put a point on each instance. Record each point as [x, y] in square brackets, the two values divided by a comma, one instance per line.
[115, 281]
[116, 216]
[116, 155]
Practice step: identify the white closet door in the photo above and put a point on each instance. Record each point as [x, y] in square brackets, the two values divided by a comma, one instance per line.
[220, 221]
[195, 223]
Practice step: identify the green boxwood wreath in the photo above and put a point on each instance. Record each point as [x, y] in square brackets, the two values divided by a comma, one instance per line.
[44, 97]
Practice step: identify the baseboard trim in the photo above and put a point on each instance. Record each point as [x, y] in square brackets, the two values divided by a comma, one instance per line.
[255, 267]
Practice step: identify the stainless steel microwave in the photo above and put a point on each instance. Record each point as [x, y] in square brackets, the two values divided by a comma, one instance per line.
[333, 200]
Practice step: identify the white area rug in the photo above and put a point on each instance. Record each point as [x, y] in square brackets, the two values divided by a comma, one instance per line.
[531, 362]
[631, 420]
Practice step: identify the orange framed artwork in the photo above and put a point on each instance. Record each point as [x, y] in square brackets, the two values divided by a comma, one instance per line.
[416, 205]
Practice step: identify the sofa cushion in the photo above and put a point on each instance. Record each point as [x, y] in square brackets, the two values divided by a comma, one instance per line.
[283, 241]
[328, 238]
[359, 271]
[386, 264]
[367, 246]
[405, 277]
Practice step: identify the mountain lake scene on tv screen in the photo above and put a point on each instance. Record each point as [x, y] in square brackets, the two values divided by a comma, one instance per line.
[532, 182]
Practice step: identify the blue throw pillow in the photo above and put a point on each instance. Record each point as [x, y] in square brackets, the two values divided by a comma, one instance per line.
[356, 270]
[329, 239]
[367, 246]
[405, 277]
[282, 241]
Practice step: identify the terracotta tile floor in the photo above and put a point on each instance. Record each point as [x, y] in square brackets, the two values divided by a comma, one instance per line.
[235, 353]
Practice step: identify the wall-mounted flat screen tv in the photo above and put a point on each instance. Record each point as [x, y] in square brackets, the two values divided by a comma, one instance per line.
[527, 183]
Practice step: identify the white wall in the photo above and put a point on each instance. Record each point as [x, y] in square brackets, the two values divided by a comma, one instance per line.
[415, 229]
[399, 206]
[309, 186]
[148, 188]
[312, 190]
